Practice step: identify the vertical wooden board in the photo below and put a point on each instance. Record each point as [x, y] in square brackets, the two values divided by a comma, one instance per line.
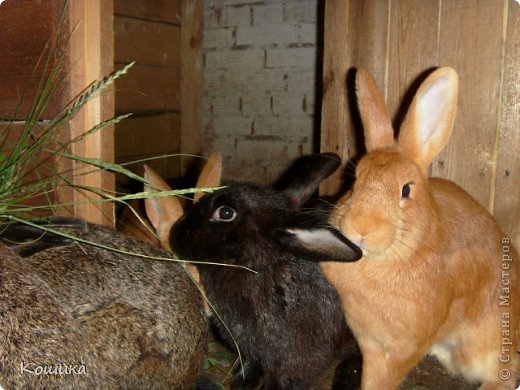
[167, 11]
[355, 36]
[413, 48]
[92, 58]
[470, 42]
[334, 121]
[192, 76]
[146, 42]
[507, 188]
[368, 37]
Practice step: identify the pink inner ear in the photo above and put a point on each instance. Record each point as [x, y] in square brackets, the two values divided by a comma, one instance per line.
[431, 108]
[429, 122]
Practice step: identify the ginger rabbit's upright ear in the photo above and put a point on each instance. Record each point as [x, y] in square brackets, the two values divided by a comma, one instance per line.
[163, 212]
[430, 119]
[377, 124]
[210, 175]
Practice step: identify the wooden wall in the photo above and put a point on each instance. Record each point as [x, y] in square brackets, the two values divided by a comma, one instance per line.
[398, 41]
[91, 59]
[149, 32]
[21, 45]
[28, 27]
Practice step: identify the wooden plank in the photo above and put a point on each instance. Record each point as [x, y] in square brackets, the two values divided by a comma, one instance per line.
[192, 71]
[148, 88]
[413, 52]
[147, 43]
[355, 36]
[168, 11]
[334, 117]
[470, 42]
[22, 42]
[133, 135]
[506, 207]
[368, 37]
[92, 58]
[167, 167]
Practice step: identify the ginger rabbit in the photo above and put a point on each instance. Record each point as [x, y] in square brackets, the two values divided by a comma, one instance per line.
[437, 275]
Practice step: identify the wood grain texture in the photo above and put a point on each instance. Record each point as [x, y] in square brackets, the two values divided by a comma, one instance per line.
[506, 205]
[364, 36]
[149, 33]
[164, 11]
[146, 42]
[400, 41]
[192, 71]
[92, 58]
[155, 134]
[148, 88]
[22, 42]
[413, 29]
[334, 116]
[470, 36]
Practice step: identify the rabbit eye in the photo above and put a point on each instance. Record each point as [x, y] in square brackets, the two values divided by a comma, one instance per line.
[405, 191]
[224, 214]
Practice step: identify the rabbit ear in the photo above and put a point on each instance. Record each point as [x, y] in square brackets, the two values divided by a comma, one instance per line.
[377, 125]
[318, 244]
[210, 175]
[429, 122]
[163, 212]
[305, 175]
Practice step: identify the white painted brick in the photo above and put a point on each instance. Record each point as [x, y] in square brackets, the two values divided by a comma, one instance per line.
[295, 126]
[263, 80]
[236, 16]
[235, 59]
[301, 81]
[232, 125]
[211, 17]
[214, 79]
[259, 159]
[254, 103]
[223, 106]
[308, 33]
[221, 81]
[218, 38]
[291, 57]
[301, 11]
[267, 14]
[267, 35]
[291, 104]
[239, 2]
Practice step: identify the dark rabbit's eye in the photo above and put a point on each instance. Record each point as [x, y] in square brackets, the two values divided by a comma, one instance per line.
[405, 191]
[224, 214]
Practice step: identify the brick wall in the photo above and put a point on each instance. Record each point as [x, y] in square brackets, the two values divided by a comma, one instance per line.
[259, 94]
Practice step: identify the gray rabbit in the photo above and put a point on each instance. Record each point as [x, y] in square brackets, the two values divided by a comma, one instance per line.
[38, 334]
[141, 321]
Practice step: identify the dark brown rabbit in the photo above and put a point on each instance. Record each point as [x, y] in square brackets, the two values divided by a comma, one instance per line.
[142, 318]
[285, 318]
[37, 334]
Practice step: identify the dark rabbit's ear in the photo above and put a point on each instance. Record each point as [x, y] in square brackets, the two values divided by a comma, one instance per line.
[305, 175]
[318, 244]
